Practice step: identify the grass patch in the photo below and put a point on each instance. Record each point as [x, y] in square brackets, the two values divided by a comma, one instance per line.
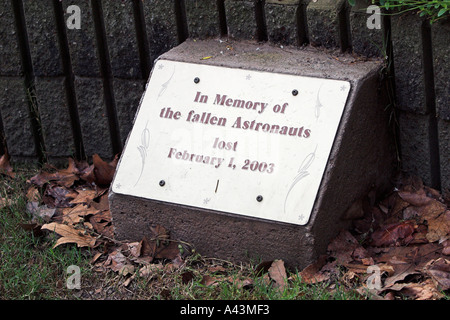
[30, 268]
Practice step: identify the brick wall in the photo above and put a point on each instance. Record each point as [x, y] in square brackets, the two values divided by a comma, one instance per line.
[68, 92]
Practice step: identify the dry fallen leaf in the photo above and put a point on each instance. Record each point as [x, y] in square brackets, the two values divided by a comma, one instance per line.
[103, 171]
[65, 177]
[76, 214]
[5, 166]
[417, 198]
[33, 194]
[311, 274]
[84, 196]
[393, 234]
[277, 272]
[69, 235]
[439, 270]
[38, 211]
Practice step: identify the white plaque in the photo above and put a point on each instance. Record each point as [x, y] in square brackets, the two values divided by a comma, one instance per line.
[238, 141]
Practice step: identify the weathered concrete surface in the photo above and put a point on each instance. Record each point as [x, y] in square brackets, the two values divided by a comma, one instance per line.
[361, 159]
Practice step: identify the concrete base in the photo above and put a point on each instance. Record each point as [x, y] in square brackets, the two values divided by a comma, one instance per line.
[361, 159]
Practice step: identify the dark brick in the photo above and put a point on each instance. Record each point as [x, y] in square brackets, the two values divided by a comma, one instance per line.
[93, 117]
[361, 155]
[365, 41]
[202, 18]
[83, 42]
[10, 64]
[408, 63]
[241, 19]
[415, 145]
[54, 116]
[323, 22]
[282, 21]
[128, 95]
[121, 37]
[440, 32]
[43, 38]
[161, 26]
[16, 118]
[444, 152]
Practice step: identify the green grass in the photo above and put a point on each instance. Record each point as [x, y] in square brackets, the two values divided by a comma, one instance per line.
[30, 268]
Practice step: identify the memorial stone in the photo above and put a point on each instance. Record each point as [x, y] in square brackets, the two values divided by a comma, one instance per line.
[253, 153]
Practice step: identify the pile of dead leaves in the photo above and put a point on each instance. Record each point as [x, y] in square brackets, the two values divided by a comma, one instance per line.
[73, 201]
[73, 204]
[400, 248]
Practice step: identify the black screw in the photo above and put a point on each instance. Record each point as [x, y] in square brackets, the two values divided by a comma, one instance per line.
[197, 80]
[259, 198]
[162, 183]
[294, 92]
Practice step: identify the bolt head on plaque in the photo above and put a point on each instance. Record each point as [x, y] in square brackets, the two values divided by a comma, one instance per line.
[196, 79]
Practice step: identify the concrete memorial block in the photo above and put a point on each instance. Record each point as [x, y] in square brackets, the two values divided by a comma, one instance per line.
[255, 153]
